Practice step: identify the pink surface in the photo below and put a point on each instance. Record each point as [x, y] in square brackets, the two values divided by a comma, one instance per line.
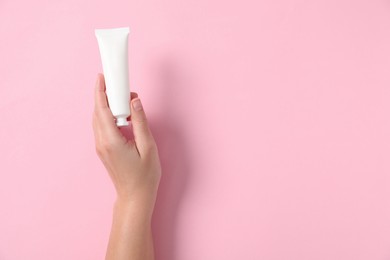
[272, 119]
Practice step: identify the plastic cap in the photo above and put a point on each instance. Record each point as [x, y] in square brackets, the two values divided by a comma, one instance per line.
[121, 121]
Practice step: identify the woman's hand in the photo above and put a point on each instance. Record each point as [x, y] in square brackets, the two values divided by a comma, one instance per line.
[134, 167]
[133, 164]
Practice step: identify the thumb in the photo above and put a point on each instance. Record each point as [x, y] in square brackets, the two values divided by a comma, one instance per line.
[142, 135]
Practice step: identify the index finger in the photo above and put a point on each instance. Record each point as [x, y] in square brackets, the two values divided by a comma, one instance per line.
[105, 119]
[100, 95]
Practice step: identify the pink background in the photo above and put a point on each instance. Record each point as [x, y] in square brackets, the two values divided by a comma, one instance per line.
[272, 119]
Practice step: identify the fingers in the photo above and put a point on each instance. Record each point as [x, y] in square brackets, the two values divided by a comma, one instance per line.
[132, 96]
[100, 95]
[142, 135]
[104, 122]
[106, 131]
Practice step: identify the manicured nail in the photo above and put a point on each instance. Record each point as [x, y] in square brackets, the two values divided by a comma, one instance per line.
[137, 105]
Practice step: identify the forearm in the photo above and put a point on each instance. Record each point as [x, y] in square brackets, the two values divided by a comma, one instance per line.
[131, 234]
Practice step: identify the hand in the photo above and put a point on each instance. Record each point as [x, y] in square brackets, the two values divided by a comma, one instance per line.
[133, 164]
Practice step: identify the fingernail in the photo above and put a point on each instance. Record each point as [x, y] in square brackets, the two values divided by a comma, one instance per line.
[137, 105]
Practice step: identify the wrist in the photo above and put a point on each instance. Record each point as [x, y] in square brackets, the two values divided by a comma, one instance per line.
[145, 196]
[137, 206]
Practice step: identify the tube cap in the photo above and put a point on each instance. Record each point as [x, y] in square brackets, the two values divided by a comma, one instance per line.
[121, 121]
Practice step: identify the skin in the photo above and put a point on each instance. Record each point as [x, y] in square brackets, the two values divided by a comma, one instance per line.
[134, 168]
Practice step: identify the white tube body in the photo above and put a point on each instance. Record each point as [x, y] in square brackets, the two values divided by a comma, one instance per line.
[113, 46]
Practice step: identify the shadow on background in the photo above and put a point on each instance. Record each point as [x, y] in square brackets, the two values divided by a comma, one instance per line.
[175, 163]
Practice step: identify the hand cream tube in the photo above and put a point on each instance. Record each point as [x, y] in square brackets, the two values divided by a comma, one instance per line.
[113, 52]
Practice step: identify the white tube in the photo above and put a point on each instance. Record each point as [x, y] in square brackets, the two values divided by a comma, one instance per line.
[113, 52]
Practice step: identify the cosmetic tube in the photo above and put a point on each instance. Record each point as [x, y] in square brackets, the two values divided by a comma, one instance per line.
[113, 45]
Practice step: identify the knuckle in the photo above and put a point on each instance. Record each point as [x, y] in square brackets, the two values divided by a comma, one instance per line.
[105, 147]
[98, 150]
